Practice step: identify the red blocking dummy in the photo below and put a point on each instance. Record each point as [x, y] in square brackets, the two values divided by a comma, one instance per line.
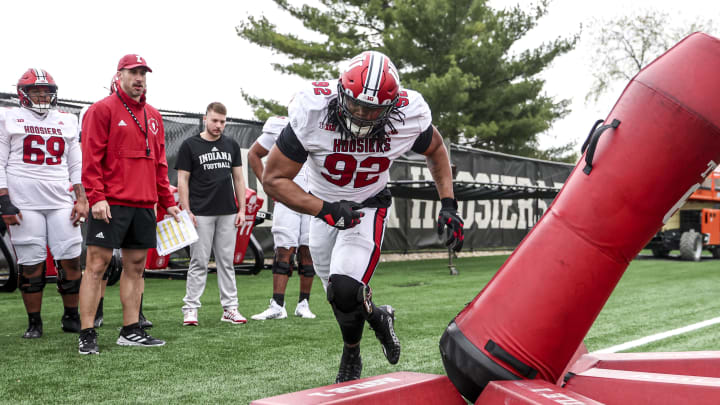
[660, 140]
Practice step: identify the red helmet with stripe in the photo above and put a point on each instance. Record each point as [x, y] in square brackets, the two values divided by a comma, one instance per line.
[37, 78]
[114, 83]
[367, 92]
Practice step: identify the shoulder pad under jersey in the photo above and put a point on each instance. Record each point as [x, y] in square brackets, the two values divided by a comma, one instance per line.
[68, 120]
[415, 109]
[274, 125]
[309, 105]
[68, 116]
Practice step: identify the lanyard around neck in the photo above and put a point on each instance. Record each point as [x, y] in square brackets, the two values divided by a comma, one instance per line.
[144, 131]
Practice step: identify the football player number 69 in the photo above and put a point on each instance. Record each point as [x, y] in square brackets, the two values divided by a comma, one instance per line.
[54, 147]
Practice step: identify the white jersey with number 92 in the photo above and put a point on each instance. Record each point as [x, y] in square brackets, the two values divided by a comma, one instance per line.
[357, 168]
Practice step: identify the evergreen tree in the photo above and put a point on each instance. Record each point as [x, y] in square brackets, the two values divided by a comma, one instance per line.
[455, 52]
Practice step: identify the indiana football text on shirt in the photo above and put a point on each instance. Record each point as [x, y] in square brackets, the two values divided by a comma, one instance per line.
[219, 160]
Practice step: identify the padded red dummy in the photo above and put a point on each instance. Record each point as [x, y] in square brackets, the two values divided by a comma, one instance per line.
[660, 140]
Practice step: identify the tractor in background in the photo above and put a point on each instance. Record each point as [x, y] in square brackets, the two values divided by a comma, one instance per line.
[694, 227]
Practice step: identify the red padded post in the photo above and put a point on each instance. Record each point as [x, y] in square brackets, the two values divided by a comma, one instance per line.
[659, 142]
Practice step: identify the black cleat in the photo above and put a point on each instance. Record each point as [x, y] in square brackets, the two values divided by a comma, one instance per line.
[87, 342]
[71, 323]
[144, 323]
[383, 323]
[350, 365]
[34, 329]
[134, 335]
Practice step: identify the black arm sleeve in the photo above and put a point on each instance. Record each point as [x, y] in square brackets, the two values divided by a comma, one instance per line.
[290, 146]
[423, 141]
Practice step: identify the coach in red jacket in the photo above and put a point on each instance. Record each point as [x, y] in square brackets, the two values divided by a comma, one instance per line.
[124, 173]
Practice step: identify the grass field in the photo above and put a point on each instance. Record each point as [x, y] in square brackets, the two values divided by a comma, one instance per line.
[222, 363]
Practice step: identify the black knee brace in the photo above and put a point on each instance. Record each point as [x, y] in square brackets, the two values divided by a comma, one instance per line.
[65, 286]
[281, 268]
[31, 284]
[348, 298]
[306, 270]
[284, 268]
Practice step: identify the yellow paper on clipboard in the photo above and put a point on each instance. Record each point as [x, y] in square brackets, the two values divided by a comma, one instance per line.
[173, 235]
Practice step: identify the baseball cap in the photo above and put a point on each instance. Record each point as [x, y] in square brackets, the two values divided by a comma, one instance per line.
[131, 61]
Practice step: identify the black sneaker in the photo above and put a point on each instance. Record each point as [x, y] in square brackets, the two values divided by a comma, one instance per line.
[350, 365]
[71, 323]
[383, 323]
[134, 335]
[144, 323]
[34, 329]
[87, 342]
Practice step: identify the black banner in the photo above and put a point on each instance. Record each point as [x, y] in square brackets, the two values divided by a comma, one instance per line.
[504, 195]
[491, 221]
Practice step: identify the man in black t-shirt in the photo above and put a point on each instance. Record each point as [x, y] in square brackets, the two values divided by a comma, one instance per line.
[212, 190]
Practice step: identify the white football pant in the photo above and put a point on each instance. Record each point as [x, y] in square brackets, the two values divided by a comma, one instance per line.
[353, 252]
[40, 229]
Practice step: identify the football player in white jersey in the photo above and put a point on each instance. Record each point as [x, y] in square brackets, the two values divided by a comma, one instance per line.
[290, 234]
[39, 158]
[349, 137]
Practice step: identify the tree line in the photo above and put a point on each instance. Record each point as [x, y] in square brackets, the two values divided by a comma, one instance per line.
[457, 53]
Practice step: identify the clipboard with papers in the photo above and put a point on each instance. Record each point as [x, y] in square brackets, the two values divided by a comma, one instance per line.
[173, 235]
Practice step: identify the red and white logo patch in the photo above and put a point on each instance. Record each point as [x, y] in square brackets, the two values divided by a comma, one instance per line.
[154, 126]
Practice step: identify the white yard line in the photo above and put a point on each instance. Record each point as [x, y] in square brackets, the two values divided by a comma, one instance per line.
[658, 336]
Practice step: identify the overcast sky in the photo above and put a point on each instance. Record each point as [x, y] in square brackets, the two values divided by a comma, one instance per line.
[197, 57]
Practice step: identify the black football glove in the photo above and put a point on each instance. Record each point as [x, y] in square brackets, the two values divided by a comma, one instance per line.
[342, 214]
[7, 207]
[449, 217]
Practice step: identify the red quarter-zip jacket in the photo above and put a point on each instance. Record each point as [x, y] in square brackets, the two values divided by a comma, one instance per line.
[116, 166]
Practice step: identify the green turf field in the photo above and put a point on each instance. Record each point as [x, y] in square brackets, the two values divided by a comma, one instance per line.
[222, 363]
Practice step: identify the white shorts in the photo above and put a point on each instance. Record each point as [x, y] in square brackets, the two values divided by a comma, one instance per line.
[40, 229]
[353, 252]
[290, 228]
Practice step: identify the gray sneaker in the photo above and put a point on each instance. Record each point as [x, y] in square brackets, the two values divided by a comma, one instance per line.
[134, 335]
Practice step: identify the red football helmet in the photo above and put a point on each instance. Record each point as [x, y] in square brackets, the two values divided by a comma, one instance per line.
[367, 93]
[37, 78]
[114, 83]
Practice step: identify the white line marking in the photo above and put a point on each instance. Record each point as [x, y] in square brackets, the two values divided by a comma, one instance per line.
[658, 336]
